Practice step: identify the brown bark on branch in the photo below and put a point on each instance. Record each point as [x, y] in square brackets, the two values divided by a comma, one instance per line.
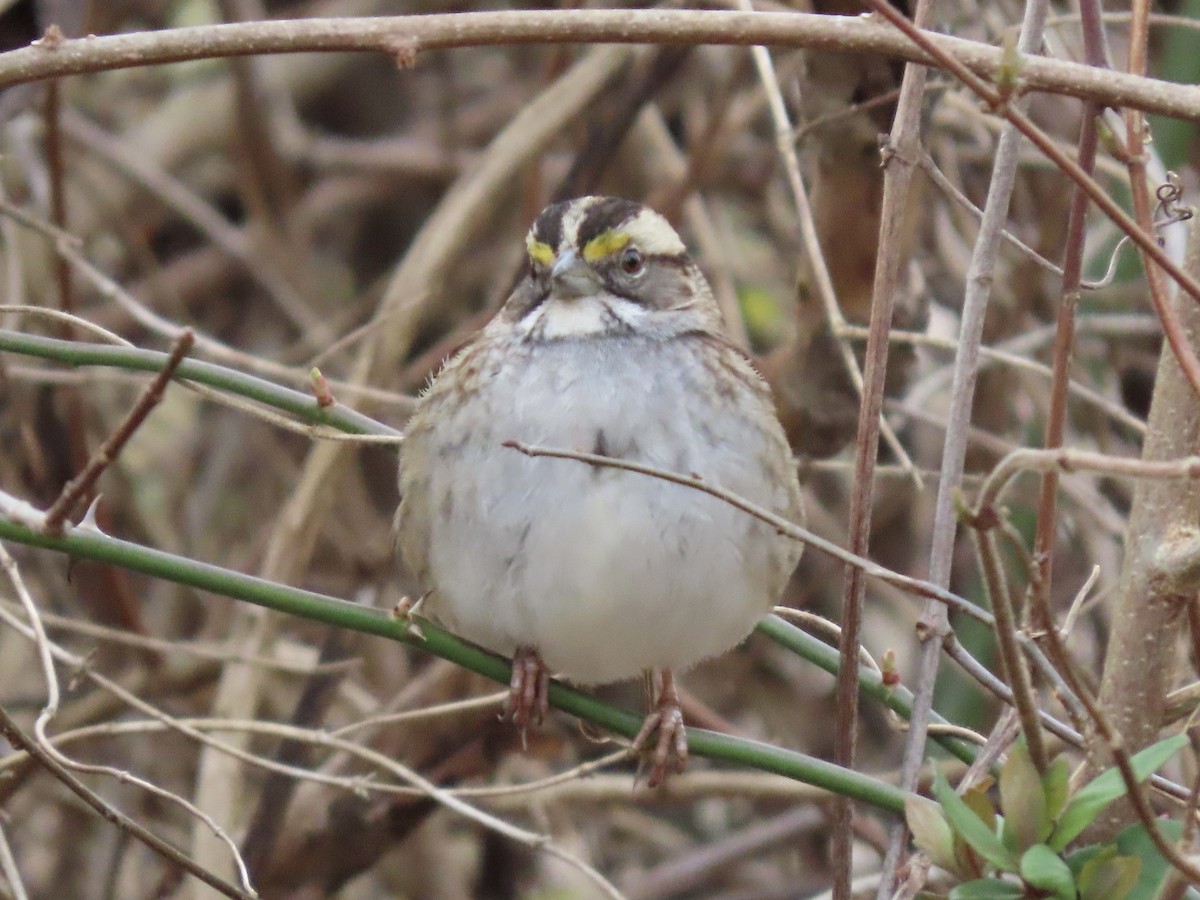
[406, 36]
[1162, 558]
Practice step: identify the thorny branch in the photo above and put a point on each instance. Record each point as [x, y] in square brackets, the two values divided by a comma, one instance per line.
[81, 485]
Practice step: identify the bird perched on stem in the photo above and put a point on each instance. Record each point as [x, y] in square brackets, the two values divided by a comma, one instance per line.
[612, 344]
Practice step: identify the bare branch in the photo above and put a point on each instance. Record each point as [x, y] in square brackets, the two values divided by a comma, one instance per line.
[405, 36]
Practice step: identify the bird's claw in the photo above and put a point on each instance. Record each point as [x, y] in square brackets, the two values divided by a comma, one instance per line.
[528, 691]
[670, 748]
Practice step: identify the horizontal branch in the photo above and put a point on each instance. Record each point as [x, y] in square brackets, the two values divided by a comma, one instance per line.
[895, 697]
[301, 405]
[90, 544]
[405, 36]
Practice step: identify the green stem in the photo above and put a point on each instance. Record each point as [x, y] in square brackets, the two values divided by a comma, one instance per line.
[90, 544]
[897, 698]
[303, 406]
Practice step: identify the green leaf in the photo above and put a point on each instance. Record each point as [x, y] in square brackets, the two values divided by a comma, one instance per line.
[978, 802]
[1134, 841]
[1080, 857]
[967, 825]
[1055, 784]
[931, 832]
[987, 889]
[1042, 868]
[1022, 800]
[1083, 808]
[1107, 876]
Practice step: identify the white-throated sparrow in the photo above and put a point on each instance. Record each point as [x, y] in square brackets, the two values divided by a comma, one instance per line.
[612, 344]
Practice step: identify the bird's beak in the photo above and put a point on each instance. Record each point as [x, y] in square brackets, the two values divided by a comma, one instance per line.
[572, 277]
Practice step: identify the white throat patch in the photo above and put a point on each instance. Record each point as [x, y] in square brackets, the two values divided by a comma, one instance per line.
[581, 317]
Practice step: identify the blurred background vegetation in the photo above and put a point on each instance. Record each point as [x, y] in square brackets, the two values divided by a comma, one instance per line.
[277, 204]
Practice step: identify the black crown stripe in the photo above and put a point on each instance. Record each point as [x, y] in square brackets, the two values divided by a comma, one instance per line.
[605, 213]
[548, 227]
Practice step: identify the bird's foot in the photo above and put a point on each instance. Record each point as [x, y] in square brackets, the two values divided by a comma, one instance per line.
[670, 749]
[528, 691]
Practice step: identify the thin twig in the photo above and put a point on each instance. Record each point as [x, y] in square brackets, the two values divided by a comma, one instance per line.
[1115, 745]
[209, 651]
[694, 871]
[871, 569]
[57, 315]
[324, 422]
[104, 456]
[1022, 459]
[1005, 611]
[198, 729]
[962, 396]
[488, 701]
[812, 622]
[22, 512]
[1004, 353]
[75, 419]
[202, 216]
[45, 655]
[1002, 692]
[1066, 460]
[869, 386]
[1080, 598]
[58, 193]
[588, 787]
[14, 278]
[786, 147]
[8, 866]
[18, 738]
[1095, 52]
[938, 177]
[899, 160]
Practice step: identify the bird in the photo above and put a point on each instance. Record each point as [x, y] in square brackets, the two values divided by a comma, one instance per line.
[611, 344]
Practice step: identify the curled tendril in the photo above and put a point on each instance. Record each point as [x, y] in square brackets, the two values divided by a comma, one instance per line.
[1168, 211]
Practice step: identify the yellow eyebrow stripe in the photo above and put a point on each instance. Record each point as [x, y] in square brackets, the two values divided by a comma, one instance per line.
[605, 244]
[540, 252]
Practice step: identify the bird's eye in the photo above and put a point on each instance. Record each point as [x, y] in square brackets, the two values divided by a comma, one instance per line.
[632, 261]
